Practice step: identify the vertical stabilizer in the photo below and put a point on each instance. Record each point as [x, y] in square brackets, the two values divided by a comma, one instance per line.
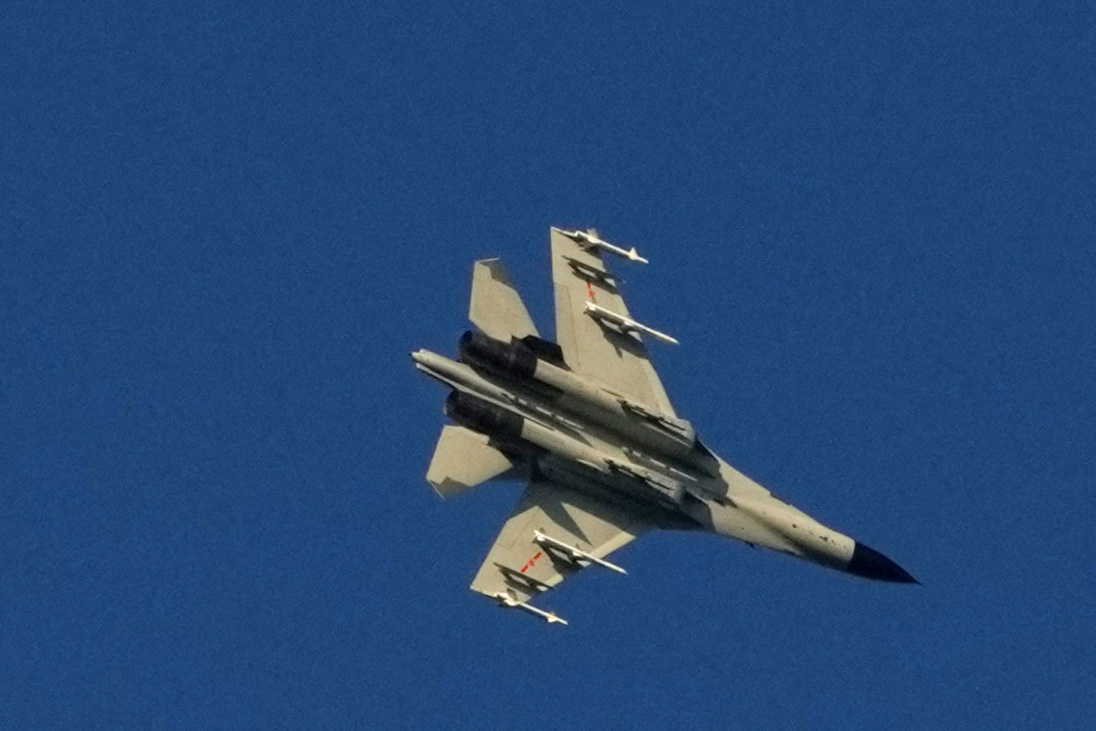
[496, 307]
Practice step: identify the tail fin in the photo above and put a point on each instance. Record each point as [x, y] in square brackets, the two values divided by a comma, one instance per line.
[496, 307]
[464, 459]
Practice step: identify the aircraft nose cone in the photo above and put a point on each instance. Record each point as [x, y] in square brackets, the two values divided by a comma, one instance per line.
[871, 564]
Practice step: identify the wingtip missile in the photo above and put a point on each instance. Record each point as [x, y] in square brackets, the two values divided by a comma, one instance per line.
[588, 240]
[506, 600]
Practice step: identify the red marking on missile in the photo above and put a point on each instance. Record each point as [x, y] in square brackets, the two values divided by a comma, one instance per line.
[590, 290]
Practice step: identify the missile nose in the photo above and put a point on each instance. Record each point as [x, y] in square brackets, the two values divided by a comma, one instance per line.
[871, 564]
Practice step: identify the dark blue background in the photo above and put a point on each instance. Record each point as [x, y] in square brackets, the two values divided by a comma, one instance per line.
[222, 230]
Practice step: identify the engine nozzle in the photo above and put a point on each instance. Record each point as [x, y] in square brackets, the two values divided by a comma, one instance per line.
[513, 359]
[483, 416]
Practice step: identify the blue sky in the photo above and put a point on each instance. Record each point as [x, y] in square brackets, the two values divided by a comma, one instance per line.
[224, 228]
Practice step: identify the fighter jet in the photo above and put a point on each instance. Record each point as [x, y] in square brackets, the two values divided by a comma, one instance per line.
[586, 421]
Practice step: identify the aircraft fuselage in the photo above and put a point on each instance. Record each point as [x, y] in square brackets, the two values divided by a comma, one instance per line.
[594, 440]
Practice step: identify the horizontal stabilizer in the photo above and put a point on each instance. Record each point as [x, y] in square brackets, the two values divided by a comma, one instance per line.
[496, 307]
[464, 459]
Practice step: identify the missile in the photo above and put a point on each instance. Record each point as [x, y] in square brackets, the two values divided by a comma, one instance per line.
[508, 601]
[590, 241]
[626, 324]
[573, 552]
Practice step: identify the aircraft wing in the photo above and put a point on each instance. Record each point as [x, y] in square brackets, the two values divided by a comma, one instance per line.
[593, 344]
[553, 532]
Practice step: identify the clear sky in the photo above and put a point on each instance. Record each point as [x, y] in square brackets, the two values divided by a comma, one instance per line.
[223, 228]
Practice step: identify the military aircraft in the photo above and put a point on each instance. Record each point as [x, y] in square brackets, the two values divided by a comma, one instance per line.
[586, 421]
